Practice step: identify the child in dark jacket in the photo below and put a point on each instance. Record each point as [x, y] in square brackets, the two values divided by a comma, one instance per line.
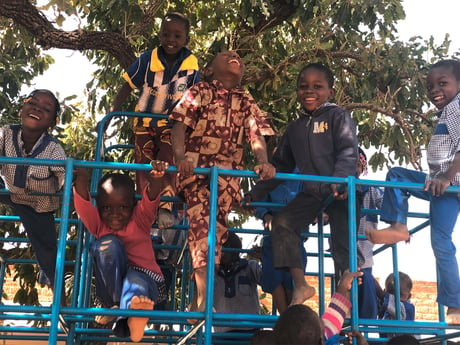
[322, 141]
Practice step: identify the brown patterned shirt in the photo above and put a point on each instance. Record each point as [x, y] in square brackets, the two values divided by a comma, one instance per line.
[219, 120]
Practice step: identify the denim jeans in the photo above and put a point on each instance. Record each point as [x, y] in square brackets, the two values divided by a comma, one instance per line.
[443, 216]
[116, 282]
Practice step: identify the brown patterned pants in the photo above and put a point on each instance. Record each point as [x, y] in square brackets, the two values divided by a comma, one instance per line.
[197, 196]
[154, 143]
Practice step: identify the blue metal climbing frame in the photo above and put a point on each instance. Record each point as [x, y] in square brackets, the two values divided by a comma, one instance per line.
[79, 315]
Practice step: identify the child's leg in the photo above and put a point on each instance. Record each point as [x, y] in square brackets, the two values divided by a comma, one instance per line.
[41, 231]
[443, 216]
[137, 324]
[110, 268]
[272, 279]
[340, 234]
[198, 209]
[287, 225]
[139, 292]
[280, 298]
[163, 152]
[143, 154]
[395, 206]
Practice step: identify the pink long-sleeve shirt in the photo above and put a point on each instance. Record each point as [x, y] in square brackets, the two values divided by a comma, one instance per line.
[135, 236]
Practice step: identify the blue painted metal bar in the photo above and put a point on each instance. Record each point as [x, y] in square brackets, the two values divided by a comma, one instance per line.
[59, 279]
[352, 230]
[213, 187]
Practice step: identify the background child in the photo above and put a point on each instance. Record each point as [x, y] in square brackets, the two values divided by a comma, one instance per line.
[127, 275]
[162, 75]
[388, 309]
[31, 139]
[211, 121]
[321, 142]
[235, 286]
[443, 156]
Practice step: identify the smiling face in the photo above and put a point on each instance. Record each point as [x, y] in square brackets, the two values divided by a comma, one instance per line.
[442, 85]
[115, 205]
[173, 36]
[313, 88]
[39, 112]
[226, 67]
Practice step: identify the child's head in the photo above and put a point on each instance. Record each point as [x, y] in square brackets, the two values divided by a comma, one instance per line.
[298, 324]
[443, 82]
[226, 67]
[174, 33]
[404, 339]
[315, 86]
[40, 110]
[234, 242]
[262, 337]
[405, 285]
[115, 200]
[362, 162]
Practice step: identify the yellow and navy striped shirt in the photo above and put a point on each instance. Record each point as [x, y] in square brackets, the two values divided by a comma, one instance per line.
[161, 87]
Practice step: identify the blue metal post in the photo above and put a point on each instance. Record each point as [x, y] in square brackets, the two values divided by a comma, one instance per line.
[58, 284]
[213, 186]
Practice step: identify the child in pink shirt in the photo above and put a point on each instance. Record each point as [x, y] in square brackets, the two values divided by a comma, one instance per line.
[127, 274]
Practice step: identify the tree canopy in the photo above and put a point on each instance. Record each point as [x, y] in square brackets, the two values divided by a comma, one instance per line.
[379, 78]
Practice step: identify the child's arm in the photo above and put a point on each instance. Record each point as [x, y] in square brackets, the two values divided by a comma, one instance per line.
[81, 180]
[340, 305]
[345, 282]
[438, 185]
[155, 178]
[263, 167]
[121, 97]
[184, 166]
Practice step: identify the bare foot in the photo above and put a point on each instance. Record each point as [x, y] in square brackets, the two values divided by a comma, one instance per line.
[105, 319]
[137, 324]
[196, 308]
[395, 233]
[453, 316]
[302, 293]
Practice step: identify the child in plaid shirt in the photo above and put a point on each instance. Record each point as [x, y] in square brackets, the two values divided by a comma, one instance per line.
[31, 139]
[443, 156]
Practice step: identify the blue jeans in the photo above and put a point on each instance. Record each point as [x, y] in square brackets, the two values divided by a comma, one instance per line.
[41, 231]
[443, 216]
[116, 282]
[367, 296]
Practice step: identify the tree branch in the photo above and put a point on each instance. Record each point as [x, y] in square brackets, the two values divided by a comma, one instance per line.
[146, 23]
[23, 13]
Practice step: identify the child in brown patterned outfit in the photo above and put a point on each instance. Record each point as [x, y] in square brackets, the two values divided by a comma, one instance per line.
[210, 124]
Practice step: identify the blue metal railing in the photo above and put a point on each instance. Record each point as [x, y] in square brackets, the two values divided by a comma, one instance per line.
[79, 314]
